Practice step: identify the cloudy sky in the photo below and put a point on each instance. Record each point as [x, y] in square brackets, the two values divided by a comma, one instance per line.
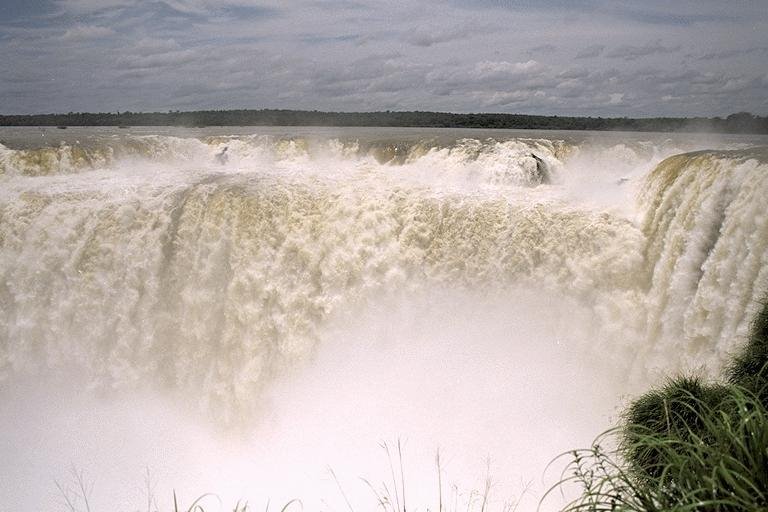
[591, 57]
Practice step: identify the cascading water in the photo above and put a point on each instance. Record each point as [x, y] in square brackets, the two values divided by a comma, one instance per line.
[706, 254]
[316, 293]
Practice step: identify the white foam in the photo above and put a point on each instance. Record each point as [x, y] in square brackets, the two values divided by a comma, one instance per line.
[237, 328]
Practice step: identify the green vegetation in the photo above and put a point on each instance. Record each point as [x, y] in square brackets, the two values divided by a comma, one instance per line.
[688, 446]
[742, 122]
[750, 367]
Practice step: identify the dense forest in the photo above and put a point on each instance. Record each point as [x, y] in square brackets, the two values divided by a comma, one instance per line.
[742, 122]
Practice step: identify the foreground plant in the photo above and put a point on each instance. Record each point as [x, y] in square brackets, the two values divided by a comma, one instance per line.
[687, 446]
[719, 463]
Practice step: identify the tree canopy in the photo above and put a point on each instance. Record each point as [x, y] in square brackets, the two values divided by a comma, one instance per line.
[742, 122]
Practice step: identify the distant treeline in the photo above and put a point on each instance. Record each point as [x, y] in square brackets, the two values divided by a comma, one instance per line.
[742, 122]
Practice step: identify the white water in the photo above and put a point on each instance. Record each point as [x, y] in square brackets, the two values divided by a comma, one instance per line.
[239, 328]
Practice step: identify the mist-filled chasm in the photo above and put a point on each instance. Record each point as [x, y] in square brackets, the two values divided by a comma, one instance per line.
[316, 314]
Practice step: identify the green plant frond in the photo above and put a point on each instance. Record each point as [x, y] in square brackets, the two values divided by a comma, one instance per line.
[686, 447]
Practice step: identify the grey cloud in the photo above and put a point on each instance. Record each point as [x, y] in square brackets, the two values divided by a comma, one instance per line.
[427, 37]
[365, 55]
[151, 45]
[503, 69]
[729, 54]
[320, 39]
[541, 49]
[191, 90]
[505, 98]
[158, 60]
[348, 5]
[89, 6]
[594, 50]
[667, 16]
[186, 7]
[736, 84]
[85, 32]
[630, 52]
[574, 73]
[399, 82]
[226, 8]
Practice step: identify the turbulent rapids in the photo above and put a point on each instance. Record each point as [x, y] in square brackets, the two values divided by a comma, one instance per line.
[706, 252]
[144, 263]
